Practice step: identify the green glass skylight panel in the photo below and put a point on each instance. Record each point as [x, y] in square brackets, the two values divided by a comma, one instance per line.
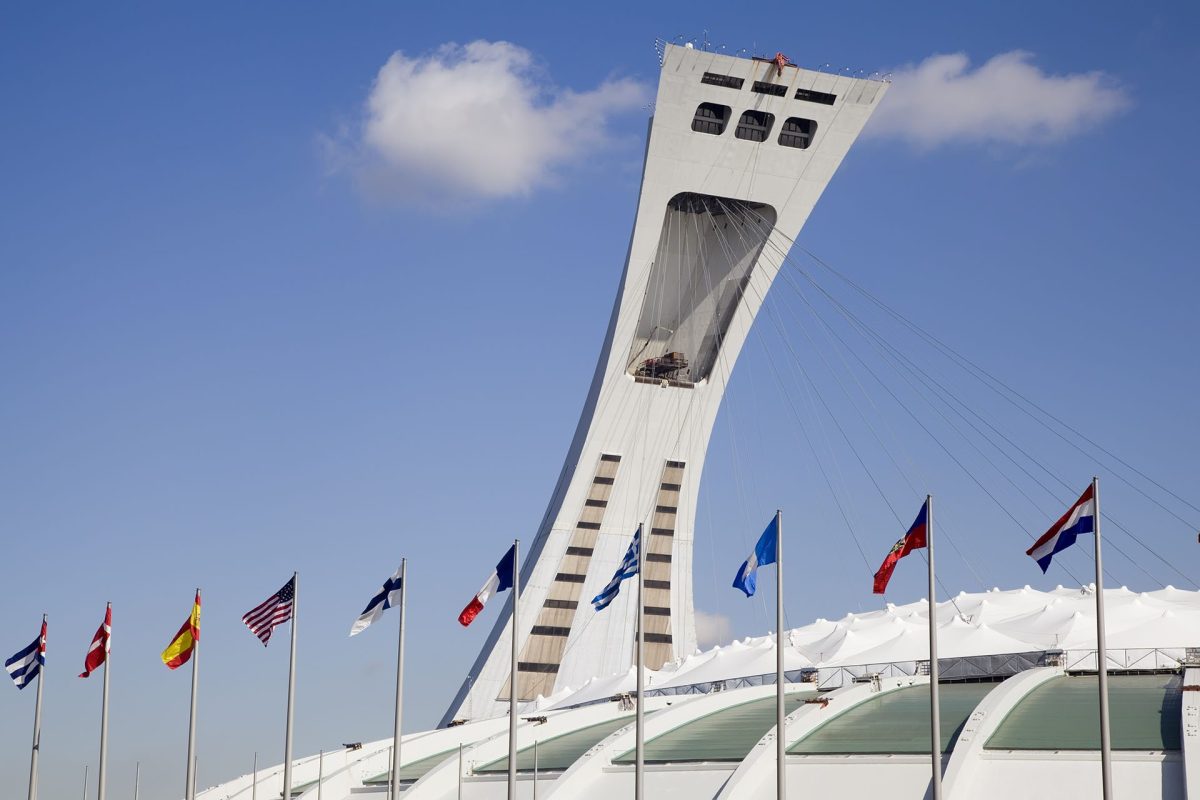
[1064, 714]
[413, 771]
[894, 722]
[560, 752]
[725, 735]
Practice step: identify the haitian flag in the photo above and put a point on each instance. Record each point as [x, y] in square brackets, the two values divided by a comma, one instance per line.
[913, 540]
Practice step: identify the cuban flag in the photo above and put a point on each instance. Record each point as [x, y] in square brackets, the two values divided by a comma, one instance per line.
[1081, 518]
[388, 596]
[628, 567]
[764, 553]
[500, 580]
[27, 664]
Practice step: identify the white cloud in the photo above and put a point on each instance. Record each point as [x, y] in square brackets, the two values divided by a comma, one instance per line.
[712, 629]
[1007, 100]
[477, 121]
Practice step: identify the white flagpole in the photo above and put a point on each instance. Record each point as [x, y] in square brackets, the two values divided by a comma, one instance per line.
[935, 717]
[190, 784]
[512, 675]
[104, 714]
[291, 695]
[37, 724]
[780, 739]
[137, 779]
[639, 770]
[1102, 657]
[85, 772]
[254, 780]
[399, 684]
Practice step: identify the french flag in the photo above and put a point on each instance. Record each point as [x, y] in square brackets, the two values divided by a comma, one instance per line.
[1081, 518]
[499, 581]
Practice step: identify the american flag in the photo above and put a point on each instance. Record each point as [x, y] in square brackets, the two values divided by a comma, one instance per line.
[275, 610]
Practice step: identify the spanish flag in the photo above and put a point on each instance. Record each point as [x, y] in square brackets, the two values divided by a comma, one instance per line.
[180, 649]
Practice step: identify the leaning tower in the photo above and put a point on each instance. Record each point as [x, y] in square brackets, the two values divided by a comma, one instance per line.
[739, 151]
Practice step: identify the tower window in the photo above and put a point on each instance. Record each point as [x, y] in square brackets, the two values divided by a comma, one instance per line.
[728, 81]
[815, 97]
[797, 132]
[754, 126]
[762, 87]
[710, 118]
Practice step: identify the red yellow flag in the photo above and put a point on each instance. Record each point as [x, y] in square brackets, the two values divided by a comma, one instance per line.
[180, 649]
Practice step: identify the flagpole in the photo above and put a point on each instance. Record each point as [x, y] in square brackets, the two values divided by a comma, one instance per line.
[137, 779]
[254, 780]
[512, 676]
[37, 723]
[85, 773]
[935, 717]
[395, 794]
[1102, 658]
[291, 695]
[190, 787]
[780, 739]
[639, 770]
[104, 713]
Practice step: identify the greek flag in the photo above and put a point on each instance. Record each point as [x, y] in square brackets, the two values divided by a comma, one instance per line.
[25, 665]
[628, 568]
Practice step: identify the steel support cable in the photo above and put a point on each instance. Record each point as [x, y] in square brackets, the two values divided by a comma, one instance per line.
[1009, 393]
[919, 374]
[831, 334]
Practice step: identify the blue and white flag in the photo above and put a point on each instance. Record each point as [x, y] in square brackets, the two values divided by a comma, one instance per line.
[1080, 519]
[388, 596]
[27, 664]
[764, 553]
[628, 568]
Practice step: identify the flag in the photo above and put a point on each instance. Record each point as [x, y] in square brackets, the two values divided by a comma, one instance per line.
[628, 567]
[180, 649]
[500, 580]
[388, 596]
[275, 610]
[101, 643]
[1081, 518]
[764, 553]
[915, 539]
[25, 665]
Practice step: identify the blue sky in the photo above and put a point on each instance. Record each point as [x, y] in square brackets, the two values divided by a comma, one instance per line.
[241, 337]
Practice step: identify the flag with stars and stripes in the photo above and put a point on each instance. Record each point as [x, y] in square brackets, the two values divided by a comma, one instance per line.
[275, 610]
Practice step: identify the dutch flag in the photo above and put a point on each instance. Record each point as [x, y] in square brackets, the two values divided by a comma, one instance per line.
[1080, 519]
[25, 665]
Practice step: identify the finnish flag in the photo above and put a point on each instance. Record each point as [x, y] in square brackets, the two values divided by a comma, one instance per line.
[388, 596]
[764, 553]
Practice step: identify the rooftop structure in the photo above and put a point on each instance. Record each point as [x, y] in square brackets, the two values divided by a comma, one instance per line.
[1015, 723]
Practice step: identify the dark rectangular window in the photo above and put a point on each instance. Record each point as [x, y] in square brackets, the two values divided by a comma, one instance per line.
[754, 126]
[665, 509]
[797, 132]
[663, 558]
[569, 605]
[588, 526]
[670, 487]
[728, 81]
[676, 464]
[657, 611]
[604, 481]
[570, 577]
[762, 87]
[710, 118]
[661, 532]
[533, 666]
[657, 638]
[815, 97]
[579, 551]
[550, 630]
[609, 457]
[596, 503]
[658, 584]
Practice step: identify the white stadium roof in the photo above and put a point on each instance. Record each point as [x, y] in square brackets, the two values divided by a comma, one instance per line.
[1017, 714]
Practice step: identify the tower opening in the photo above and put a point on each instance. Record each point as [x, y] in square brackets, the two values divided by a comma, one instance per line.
[705, 251]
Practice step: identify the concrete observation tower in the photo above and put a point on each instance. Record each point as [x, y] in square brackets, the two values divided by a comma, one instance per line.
[739, 151]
